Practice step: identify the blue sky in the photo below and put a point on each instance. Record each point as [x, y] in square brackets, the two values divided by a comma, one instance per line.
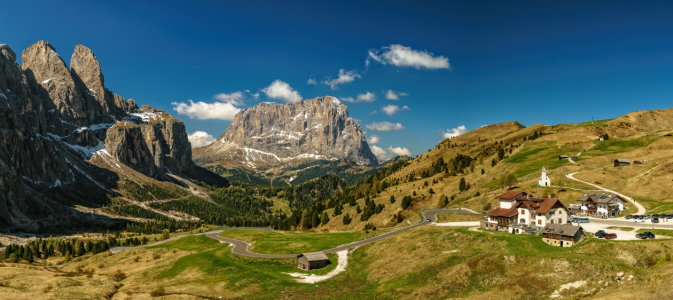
[532, 62]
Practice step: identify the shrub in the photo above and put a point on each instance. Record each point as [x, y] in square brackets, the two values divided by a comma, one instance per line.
[650, 261]
[119, 276]
[668, 257]
[160, 291]
[156, 256]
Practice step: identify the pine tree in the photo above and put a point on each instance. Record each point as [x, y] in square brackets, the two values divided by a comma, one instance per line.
[324, 218]
[462, 185]
[392, 199]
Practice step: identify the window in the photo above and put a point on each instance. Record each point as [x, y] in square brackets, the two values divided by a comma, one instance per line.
[539, 222]
[523, 212]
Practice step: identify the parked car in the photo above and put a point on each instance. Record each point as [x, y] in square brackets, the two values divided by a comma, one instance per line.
[572, 220]
[655, 215]
[655, 220]
[638, 221]
[629, 217]
[645, 235]
[427, 220]
[600, 234]
[583, 220]
[610, 236]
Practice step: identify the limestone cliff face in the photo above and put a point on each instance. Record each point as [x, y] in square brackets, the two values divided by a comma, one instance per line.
[312, 129]
[54, 120]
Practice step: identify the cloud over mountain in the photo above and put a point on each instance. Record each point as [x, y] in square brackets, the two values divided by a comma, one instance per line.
[344, 77]
[366, 97]
[401, 151]
[201, 110]
[200, 139]
[283, 91]
[373, 139]
[384, 126]
[393, 109]
[454, 132]
[401, 56]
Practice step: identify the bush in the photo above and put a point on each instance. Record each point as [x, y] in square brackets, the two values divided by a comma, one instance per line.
[650, 261]
[165, 235]
[160, 291]
[406, 202]
[119, 276]
[392, 199]
[668, 257]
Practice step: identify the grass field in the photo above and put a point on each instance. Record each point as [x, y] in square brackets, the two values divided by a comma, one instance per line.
[283, 242]
[457, 217]
[621, 228]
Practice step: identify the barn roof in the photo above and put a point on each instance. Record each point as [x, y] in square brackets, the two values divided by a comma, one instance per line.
[314, 256]
[562, 229]
[622, 160]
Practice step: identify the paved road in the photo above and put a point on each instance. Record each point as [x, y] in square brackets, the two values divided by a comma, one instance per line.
[241, 247]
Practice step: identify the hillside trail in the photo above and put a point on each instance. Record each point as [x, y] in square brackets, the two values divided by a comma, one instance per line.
[640, 207]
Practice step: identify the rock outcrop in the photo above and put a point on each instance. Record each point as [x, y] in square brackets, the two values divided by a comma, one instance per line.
[275, 133]
[55, 120]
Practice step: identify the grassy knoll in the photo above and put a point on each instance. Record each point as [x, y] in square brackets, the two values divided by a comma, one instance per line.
[457, 217]
[536, 155]
[621, 228]
[656, 207]
[282, 242]
[615, 146]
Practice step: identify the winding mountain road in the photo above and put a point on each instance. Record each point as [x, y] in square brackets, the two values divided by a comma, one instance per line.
[241, 247]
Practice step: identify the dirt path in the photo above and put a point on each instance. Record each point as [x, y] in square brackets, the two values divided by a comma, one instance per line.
[640, 207]
[312, 278]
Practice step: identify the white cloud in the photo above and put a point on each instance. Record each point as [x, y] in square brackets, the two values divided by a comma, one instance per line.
[402, 56]
[384, 126]
[344, 77]
[283, 91]
[255, 95]
[235, 98]
[366, 97]
[393, 109]
[454, 132]
[311, 81]
[373, 112]
[379, 152]
[401, 151]
[200, 139]
[202, 110]
[373, 139]
[392, 95]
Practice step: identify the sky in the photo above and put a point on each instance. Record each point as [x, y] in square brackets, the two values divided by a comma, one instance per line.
[412, 72]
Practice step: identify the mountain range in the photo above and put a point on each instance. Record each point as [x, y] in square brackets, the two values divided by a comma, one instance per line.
[67, 141]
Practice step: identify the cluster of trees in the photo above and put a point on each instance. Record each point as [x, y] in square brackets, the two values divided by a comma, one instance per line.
[45, 248]
[152, 227]
[507, 180]
[255, 213]
[371, 209]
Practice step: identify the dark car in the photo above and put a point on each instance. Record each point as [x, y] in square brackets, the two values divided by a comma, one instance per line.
[645, 235]
[610, 236]
[655, 215]
[655, 220]
[629, 217]
[600, 234]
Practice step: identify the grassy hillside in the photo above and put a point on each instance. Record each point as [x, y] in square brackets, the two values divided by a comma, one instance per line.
[426, 262]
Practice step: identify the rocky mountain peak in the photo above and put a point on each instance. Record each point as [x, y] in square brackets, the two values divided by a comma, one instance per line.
[277, 133]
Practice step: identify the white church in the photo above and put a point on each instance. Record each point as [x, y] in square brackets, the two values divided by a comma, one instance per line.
[544, 179]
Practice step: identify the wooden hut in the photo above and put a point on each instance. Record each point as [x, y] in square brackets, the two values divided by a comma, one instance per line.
[562, 235]
[312, 261]
[563, 157]
[622, 162]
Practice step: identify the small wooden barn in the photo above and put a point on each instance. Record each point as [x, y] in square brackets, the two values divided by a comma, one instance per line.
[622, 162]
[312, 261]
[563, 157]
[562, 235]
